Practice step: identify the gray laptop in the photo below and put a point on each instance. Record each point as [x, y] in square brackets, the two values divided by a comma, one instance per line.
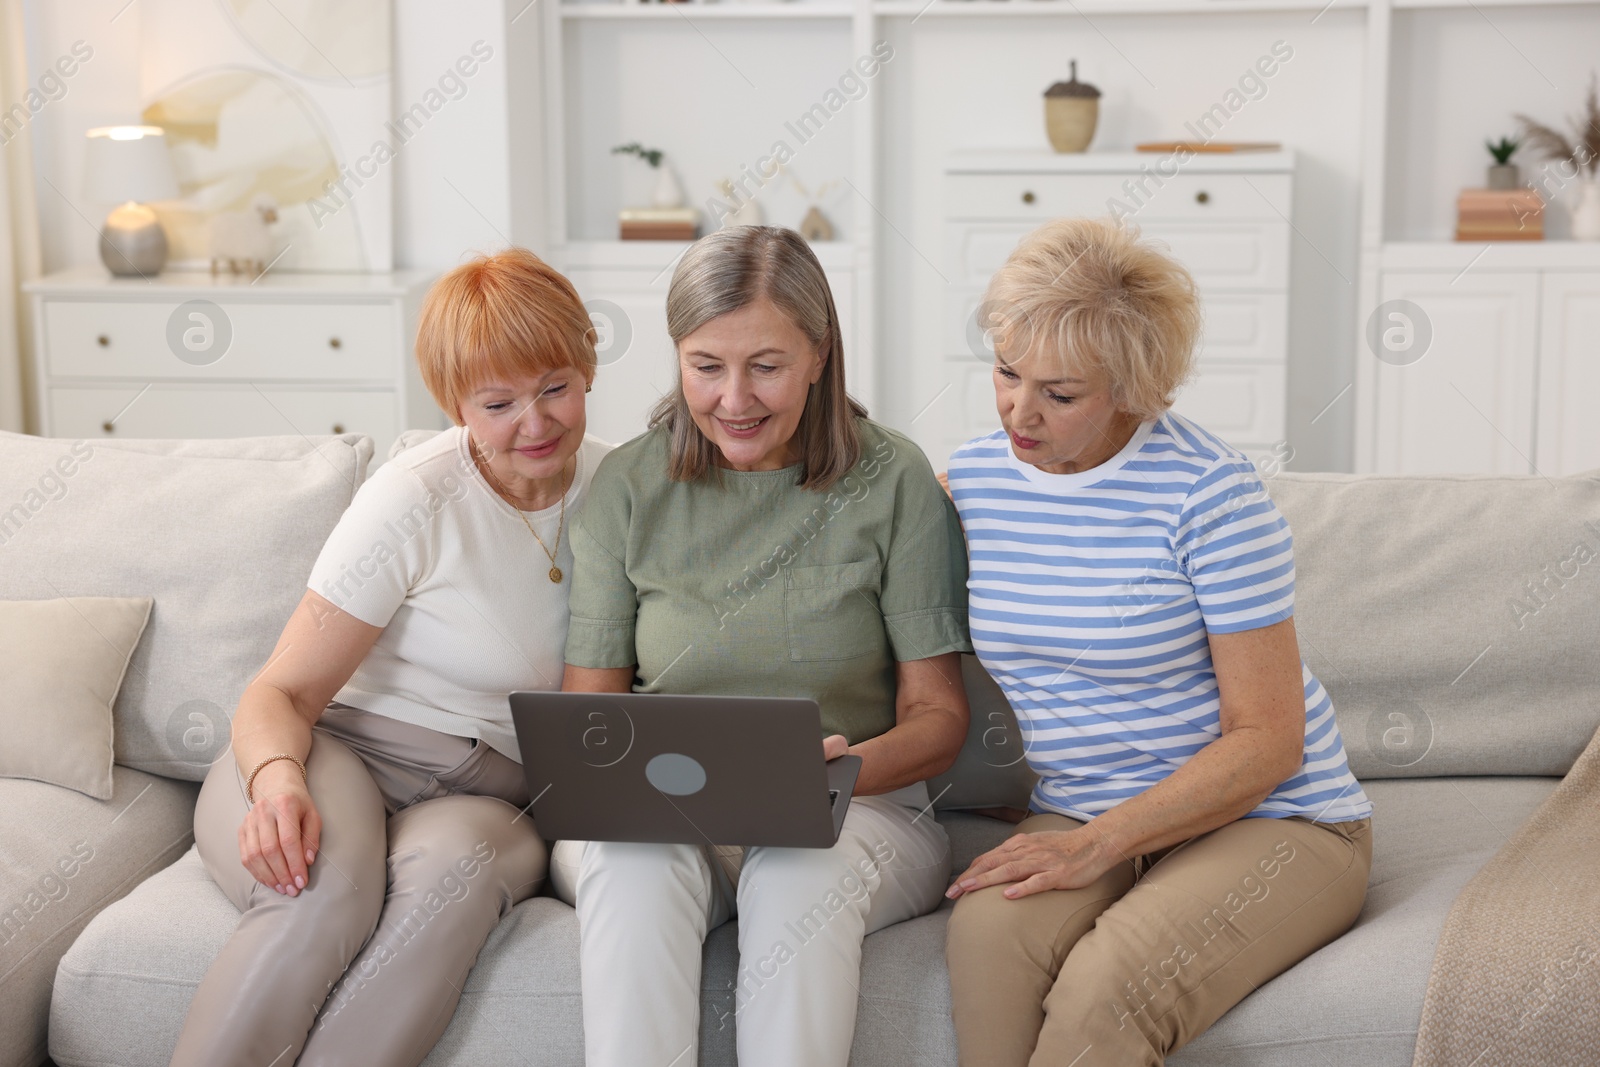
[697, 770]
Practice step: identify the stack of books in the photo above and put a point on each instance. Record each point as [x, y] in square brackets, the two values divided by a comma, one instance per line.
[659, 223]
[1499, 215]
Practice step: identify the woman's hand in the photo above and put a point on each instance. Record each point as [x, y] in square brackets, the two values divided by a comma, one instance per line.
[320, 648]
[1061, 859]
[834, 746]
[281, 834]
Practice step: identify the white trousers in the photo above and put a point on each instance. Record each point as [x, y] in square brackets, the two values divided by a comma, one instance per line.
[644, 911]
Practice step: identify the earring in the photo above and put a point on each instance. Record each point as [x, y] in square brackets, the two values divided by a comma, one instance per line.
[588, 388]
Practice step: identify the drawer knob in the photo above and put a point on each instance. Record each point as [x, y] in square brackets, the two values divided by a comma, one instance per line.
[338, 427]
[108, 426]
[103, 341]
[1028, 197]
[1202, 197]
[334, 342]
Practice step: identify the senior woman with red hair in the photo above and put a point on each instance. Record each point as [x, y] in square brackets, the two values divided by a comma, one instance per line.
[368, 822]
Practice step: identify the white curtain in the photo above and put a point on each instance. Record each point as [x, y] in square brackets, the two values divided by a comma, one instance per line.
[19, 229]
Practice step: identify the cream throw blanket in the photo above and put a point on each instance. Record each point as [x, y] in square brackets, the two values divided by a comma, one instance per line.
[1516, 978]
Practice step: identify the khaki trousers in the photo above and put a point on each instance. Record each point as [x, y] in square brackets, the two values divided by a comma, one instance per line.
[424, 849]
[1126, 970]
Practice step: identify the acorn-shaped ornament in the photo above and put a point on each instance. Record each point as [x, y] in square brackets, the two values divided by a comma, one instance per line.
[1071, 109]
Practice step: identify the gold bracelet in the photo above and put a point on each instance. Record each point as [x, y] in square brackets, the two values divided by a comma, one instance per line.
[249, 783]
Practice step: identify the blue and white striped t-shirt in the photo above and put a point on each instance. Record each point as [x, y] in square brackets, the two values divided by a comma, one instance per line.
[1090, 596]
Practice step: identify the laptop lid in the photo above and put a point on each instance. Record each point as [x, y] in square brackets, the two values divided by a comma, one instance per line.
[719, 770]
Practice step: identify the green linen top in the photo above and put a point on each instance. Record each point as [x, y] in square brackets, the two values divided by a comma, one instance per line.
[757, 587]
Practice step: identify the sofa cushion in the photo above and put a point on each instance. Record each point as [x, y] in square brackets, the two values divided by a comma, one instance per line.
[410, 439]
[222, 533]
[63, 661]
[123, 989]
[1452, 618]
[1359, 1000]
[62, 858]
[991, 770]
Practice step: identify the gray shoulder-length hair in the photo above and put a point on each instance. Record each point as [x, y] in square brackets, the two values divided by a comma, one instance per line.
[727, 270]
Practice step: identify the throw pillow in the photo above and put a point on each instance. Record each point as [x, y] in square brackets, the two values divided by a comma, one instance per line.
[63, 661]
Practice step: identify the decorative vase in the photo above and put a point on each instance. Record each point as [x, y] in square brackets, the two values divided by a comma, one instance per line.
[1504, 176]
[668, 192]
[1586, 216]
[1071, 110]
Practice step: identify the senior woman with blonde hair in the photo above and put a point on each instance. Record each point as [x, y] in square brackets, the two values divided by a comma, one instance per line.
[1195, 829]
[765, 538]
[368, 824]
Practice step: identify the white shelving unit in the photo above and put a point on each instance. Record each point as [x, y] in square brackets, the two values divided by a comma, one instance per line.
[831, 33]
[1503, 387]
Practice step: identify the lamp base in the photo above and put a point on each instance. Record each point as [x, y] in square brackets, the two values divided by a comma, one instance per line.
[132, 242]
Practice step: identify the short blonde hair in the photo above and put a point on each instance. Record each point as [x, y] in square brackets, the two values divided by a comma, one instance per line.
[502, 316]
[1094, 295]
[727, 270]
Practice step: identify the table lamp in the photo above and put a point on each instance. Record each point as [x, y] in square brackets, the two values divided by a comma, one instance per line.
[128, 165]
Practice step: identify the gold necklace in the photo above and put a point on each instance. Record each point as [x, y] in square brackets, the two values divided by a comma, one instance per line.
[555, 571]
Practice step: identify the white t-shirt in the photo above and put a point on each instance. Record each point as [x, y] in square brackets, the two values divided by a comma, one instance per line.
[431, 553]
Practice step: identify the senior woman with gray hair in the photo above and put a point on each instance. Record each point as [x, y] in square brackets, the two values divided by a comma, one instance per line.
[765, 538]
[1195, 829]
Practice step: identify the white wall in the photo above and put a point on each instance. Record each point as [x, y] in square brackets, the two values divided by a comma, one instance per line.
[453, 185]
[465, 145]
[103, 91]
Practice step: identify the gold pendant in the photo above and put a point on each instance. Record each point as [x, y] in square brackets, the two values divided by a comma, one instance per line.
[555, 575]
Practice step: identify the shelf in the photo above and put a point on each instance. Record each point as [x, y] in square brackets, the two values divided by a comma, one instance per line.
[1033, 8]
[1492, 3]
[1047, 8]
[654, 255]
[1013, 161]
[831, 9]
[1490, 255]
[693, 12]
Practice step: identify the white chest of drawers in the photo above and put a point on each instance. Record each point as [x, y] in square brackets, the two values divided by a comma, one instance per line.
[1225, 217]
[189, 355]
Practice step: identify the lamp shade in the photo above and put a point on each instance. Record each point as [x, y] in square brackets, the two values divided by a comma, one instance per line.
[128, 163]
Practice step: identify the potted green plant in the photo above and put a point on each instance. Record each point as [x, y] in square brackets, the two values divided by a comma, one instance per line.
[668, 193]
[1503, 173]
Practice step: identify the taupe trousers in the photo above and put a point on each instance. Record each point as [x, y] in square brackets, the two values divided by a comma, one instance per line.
[1122, 972]
[424, 849]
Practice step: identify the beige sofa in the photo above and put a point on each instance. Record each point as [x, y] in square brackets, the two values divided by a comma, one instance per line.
[1446, 615]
